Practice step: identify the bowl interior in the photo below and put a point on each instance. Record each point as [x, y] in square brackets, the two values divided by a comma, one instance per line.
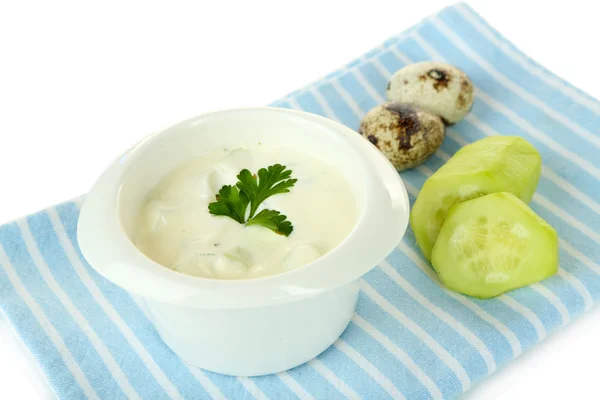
[150, 161]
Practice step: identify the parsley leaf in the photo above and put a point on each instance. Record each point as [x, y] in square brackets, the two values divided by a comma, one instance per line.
[272, 220]
[270, 181]
[233, 201]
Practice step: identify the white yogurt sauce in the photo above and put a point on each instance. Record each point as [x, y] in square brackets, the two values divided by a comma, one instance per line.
[177, 230]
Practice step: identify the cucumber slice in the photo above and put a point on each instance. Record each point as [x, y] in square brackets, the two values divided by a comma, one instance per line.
[493, 244]
[490, 165]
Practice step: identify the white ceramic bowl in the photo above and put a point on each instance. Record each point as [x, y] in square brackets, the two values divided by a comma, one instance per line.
[258, 326]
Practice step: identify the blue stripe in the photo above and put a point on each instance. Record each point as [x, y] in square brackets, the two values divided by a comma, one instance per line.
[37, 342]
[519, 325]
[416, 349]
[588, 277]
[404, 380]
[374, 78]
[354, 376]
[315, 383]
[307, 102]
[341, 109]
[567, 294]
[129, 362]
[489, 335]
[447, 337]
[359, 91]
[83, 352]
[273, 387]
[352, 86]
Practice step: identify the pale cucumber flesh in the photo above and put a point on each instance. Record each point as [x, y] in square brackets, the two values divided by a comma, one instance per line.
[490, 165]
[494, 244]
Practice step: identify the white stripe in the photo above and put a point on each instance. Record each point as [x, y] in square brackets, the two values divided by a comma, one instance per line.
[401, 355]
[294, 386]
[212, 390]
[580, 256]
[527, 313]
[554, 300]
[409, 324]
[579, 286]
[570, 189]
[322, 103]
[369, 368]
[527, 64]
[381, 68]
[568, 218]
[47, 326]
[462, 330]
[111, 364]
[512, 86]
[404, 58]
[513, 116]
[481, 313]
[364, 83]
[348, 99]
[457, 138]
[335, 380]
[111, 313]
[252, 388]
[425, 170]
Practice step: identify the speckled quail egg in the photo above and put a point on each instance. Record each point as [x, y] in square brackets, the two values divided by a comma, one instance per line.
[406, 134]
[437, 87]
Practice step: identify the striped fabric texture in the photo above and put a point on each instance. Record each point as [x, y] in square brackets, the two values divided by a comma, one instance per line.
[410, 338]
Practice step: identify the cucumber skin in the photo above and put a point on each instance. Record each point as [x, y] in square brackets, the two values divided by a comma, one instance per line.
[483, 290]
[473, 158]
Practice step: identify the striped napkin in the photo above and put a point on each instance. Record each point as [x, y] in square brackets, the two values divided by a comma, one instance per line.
[410, 338]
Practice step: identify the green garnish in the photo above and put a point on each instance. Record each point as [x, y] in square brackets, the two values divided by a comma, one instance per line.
[272, 220]
[233, 201]
[230, 202]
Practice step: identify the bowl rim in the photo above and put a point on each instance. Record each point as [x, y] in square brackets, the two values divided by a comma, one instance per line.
[379, 227]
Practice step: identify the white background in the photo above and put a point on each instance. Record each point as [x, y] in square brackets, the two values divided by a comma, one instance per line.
[81, 81]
